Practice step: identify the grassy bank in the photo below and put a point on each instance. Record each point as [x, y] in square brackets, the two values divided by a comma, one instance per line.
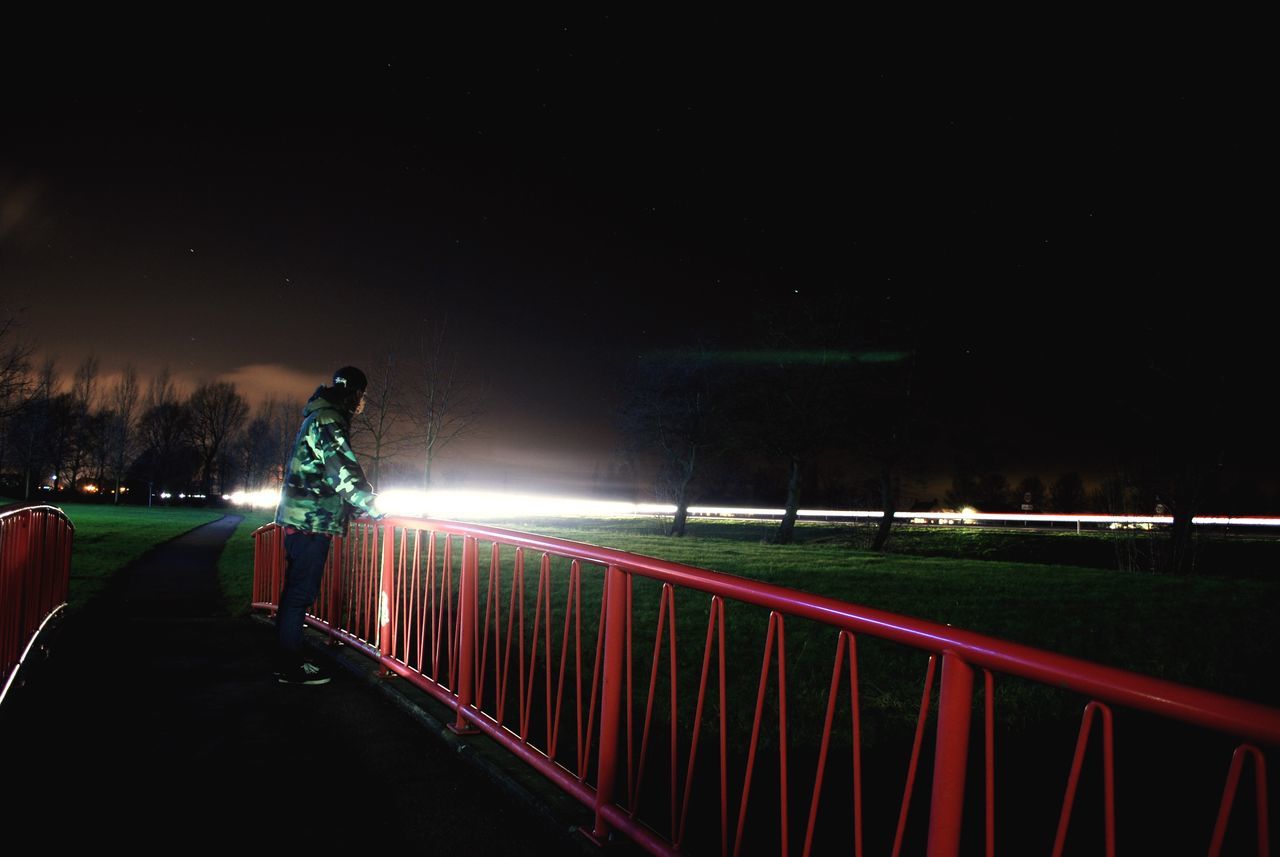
[235, 566]
[1210, 632]
[1239, 553]
[110, 537]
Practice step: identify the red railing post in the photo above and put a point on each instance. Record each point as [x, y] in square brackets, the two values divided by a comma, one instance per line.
[955, 701]
[257, 565]
[386, 595]
[1229, 797]
[467, 611]
[611, 697]
[333, 582]
[277, 567]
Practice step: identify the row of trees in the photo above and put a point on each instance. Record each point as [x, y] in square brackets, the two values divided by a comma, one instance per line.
[834, 390]
[834, 425]
[98, 435]
[1120, 494]
[99, 438]
[817, 396]
[1134, 492]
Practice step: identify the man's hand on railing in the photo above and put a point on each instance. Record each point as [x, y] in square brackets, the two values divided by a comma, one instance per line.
[373, 512]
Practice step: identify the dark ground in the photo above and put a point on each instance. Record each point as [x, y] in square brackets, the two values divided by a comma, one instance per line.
[155, 720]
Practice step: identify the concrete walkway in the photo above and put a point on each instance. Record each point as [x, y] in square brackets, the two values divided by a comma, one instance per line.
[156, 721]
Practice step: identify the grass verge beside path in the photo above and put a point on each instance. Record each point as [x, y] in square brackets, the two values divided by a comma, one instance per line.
[235, 566]
[110, 537]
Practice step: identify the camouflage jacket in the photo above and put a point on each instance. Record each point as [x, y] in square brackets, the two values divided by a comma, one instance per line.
[323, 481]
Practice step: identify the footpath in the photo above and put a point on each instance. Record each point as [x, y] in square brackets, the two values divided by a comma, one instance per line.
[156, 721]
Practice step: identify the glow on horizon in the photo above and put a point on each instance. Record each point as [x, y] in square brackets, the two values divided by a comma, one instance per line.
[267, 498]
[468, 505]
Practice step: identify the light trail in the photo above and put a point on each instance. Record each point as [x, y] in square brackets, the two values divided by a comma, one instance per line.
[479, 505]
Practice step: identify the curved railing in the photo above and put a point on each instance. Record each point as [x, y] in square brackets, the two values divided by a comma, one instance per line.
[35, 565]
[410, 594]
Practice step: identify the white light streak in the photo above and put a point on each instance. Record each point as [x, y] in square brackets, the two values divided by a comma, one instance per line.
[478, 505]
[460, 505]
[266, 498]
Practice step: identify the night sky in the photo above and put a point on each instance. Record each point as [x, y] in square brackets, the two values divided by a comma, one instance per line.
[1046, 224]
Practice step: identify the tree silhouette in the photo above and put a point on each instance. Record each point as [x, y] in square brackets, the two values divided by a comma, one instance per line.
[442, 404]
[383, 424]
[216, 412]
[671, 414]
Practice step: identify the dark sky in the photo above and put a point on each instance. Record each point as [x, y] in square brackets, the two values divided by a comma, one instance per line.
[601, 191]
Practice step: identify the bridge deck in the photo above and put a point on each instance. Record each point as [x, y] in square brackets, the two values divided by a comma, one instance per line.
[156, 719]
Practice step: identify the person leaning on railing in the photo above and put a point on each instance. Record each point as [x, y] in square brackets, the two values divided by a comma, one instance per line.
[324, 483]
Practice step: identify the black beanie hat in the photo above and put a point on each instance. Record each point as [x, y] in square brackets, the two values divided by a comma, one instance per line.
[351, 379]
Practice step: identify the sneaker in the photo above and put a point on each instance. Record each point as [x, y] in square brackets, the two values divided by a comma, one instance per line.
[304, 673]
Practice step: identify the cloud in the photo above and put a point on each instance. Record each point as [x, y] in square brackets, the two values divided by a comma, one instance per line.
[18, 204]
[258, 382]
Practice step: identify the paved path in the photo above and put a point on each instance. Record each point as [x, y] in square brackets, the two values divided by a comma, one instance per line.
[156, 721]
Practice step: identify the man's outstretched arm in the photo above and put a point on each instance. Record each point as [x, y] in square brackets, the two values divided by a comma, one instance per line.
[343, 472]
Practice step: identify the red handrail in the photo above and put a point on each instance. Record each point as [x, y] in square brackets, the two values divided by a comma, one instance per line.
[35, 565]
[397, 601]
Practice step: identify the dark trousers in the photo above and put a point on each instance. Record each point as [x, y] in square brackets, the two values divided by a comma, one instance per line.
[305, 554]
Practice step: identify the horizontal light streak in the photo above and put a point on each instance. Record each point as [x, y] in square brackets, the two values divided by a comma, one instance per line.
[465, 505]
[459, 505]
[267, 498]
[488, 504]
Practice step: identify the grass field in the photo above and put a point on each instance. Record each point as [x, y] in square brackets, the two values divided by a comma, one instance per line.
[235, 566]
[1213, 632]
[110, 537]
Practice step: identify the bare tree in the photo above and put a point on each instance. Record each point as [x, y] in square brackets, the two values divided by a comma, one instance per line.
[1067, 493]
[670, 412]
[167, 457]
[15, 363]
[217, 411]
[160, 390]
[883, 423]
[283, 419]
[383, 419]
[441, 405]
[788, 409]
[260, 449]
[253, 452]
[56, 426]
[124, 414]
[84, 386]
[85, 439]
[42, 428]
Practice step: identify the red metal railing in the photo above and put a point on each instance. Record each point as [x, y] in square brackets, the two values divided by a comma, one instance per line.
[401, 592]
[35, 564]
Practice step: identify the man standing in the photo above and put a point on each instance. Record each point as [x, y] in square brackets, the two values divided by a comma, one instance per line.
[323, 483]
